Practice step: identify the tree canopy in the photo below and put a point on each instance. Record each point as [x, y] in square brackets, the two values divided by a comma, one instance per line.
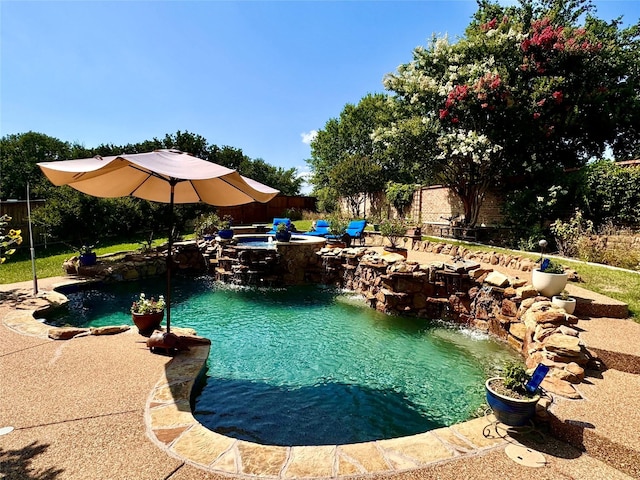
[73, 216]
[526, 91]
[20, 153]
[529, 90]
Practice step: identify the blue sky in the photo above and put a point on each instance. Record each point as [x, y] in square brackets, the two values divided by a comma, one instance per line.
[255, 75]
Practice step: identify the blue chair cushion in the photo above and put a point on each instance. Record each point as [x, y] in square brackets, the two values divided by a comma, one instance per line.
[356, 227]
[321, 229]
[277, 221]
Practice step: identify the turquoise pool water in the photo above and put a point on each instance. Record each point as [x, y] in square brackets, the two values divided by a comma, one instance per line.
[312, 365]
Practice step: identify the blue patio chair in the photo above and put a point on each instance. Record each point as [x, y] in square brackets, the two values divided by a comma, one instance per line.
[321, 229]
[277, 221]
[355, 230]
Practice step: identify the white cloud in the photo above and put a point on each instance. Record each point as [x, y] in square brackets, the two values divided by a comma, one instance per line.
[305, 173]
[309, 136]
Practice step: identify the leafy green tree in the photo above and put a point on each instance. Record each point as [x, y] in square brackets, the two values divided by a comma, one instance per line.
[328, 199]
[527, 91]
[351, 136]
[612, 194]
[287, 179]
[400, 195]
[19, 155]
[355, 177]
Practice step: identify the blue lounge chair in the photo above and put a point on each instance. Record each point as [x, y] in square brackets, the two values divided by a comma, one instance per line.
[321, 229]
[355, 229]
[277, 221]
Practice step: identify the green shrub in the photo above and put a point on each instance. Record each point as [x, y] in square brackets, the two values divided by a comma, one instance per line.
[515, 376]
[568, 234]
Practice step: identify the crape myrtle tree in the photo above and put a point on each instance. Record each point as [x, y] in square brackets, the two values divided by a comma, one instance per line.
[527, 92]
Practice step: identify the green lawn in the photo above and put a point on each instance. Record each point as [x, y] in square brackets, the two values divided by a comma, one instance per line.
[49, 260]
[622, 285]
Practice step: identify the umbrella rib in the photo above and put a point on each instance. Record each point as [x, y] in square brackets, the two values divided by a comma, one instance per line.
[156, 175]
[196, 190]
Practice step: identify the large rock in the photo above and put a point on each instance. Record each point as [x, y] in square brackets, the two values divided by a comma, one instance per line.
[109, 330]
[498, 279]
[65, 333]
[518, 330]
[560, 387]
[564, 345]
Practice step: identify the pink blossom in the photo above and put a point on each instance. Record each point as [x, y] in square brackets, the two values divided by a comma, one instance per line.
[536, 115]
[557, 96]
[443, 113]
[490, 25]
[541, 102]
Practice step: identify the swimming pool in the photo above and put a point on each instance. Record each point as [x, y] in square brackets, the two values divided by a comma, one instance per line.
[312, 365]
[264, 241]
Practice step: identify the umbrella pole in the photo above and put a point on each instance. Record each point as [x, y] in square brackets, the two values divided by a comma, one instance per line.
[31, 249]
[169, 262]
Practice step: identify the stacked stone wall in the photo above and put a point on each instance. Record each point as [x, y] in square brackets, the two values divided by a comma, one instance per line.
[464, 292]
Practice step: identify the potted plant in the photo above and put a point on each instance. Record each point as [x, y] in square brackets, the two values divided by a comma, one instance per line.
[564, 301]
[338, 231]
[394, 229]
[86, 255]
[549, 278]
[375, 220]
[206, 226]
[225, 231]
[282, 232]
[147, 314]
[508, 396]
[413, 228]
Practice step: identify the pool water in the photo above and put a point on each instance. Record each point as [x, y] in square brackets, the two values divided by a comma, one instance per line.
[313, 365]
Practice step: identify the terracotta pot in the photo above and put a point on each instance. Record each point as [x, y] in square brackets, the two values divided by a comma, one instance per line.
[400, 251]
[147, 323]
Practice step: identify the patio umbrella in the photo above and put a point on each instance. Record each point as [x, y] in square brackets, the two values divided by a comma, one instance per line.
[168, 176]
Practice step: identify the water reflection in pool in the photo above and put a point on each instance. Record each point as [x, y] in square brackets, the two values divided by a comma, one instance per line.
[312, 365]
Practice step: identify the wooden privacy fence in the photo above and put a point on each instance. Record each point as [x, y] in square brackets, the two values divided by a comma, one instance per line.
[266, 212]
[17, 210]
[244, 214]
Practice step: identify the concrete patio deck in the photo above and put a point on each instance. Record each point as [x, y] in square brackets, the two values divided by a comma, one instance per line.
[105, 407]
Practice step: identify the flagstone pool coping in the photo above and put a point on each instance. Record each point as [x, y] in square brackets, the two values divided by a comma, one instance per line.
[172, 426]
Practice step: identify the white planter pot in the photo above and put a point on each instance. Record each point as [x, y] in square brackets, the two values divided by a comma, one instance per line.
[548, 284]
[569, 304]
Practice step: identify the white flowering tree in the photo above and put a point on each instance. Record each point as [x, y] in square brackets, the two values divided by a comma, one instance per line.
[526, 92]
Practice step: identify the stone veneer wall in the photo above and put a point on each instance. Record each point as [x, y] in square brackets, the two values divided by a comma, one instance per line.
[462, 291]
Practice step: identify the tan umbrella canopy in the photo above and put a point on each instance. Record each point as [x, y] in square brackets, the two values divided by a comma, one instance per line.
[167, 176]
[149, 176]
